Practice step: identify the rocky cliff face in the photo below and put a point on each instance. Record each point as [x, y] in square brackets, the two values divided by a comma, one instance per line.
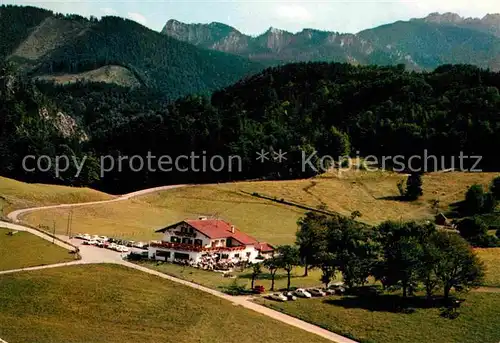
[489, 23]
[421, 43]
[275, 45]
[216, 36]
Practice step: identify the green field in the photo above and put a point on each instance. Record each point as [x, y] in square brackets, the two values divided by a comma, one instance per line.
[491, 257]
[375, 321]
[108, 303]
[26, 250]
[16, 195]
[137, 219]
[369, 193]
[243, 278]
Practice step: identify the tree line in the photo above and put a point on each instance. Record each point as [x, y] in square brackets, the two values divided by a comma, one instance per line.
[402, 256]
[478, 215]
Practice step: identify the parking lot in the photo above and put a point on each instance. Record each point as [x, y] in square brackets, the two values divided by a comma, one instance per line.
[98, 254]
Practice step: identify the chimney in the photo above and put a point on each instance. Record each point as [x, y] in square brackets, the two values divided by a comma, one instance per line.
[232, 228]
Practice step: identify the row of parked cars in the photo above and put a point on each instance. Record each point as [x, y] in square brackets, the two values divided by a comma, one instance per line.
[110, 243]
[333, 289]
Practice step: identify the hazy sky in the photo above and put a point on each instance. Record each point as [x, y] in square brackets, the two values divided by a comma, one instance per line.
[254, 17]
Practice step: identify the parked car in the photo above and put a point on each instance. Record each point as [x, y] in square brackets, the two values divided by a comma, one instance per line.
[316, 292]
[278, 297]
[85, 237]
[302, 293]
[329, 291]
[139, 245]
[290, 296]
[112, 246]
[337, 287]
[90, 242]
[121, 248]
[259, 289]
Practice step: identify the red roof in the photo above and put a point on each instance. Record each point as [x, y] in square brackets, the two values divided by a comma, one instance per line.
[264, 247]
[215, 228]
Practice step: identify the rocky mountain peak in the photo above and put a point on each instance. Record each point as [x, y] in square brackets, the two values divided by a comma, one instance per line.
[492, 19]
[445, 18]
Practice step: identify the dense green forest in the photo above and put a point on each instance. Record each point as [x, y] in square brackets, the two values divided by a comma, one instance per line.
[16, 24]
[55, 44]
[328, 107]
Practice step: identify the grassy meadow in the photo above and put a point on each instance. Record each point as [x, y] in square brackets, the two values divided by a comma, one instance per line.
[109, 303]
[491, 258]
[371, 193]
[243, 278]
[138, 218]
[16, 195]
[375, 321]
[24, 250]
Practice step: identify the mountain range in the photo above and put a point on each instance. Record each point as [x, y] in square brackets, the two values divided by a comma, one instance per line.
[420, 44]
[66, 48]
[184, 59]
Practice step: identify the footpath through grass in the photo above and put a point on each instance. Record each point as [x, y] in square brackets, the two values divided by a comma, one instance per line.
[16, 195]
[109, 303]
[376, 321]
[217, 280]
[24, 250]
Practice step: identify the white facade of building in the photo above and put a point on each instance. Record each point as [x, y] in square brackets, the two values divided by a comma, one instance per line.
[183, 241]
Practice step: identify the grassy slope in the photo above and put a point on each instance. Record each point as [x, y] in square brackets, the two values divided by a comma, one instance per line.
[371, 193]
[26, 250]
[368, 193]
[138, 218]
[491, 258]
[476, 323]
[108, 74]
[15, 195]
[218, 281]
[72, 305]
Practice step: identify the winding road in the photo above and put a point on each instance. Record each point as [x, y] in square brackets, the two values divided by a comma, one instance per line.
[91, 254]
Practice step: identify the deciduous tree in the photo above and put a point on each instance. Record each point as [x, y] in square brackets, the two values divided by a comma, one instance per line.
[289, 258]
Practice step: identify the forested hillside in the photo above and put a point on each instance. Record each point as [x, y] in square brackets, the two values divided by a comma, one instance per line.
[335, 109]
[430, 44]
[16, 24]
[44, 43]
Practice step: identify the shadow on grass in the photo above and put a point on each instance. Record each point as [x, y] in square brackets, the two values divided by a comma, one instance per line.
[394, 303]
[398, 198]
[265, 276]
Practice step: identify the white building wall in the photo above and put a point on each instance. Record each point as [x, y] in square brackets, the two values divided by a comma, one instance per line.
[152, 254]
[196, 256]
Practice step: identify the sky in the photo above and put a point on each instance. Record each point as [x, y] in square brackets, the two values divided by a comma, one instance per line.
[255, 17]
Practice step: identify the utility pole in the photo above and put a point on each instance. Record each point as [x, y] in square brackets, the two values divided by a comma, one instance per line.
[70, 222]
[54, 232]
